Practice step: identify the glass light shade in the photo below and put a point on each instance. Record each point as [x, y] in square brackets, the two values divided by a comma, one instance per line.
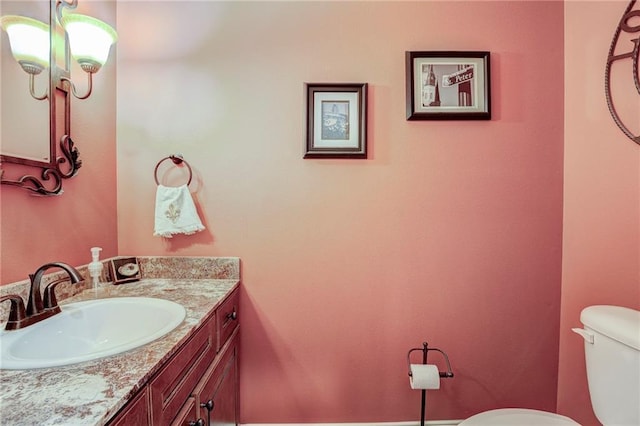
[89, 40]
[29, 41]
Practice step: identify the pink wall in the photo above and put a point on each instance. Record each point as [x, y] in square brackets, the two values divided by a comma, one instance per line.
[601, 260]
[450, 232]
[36, 230]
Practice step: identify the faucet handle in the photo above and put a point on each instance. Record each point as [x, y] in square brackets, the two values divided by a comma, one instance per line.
[17, 313]
[50, 301]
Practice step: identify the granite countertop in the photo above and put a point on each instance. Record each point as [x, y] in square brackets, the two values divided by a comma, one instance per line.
[92, 392]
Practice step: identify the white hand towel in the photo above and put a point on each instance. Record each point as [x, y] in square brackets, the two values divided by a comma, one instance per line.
[175, 212]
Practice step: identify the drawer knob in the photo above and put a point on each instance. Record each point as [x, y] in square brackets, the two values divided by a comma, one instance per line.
[232, 315]
[208, 405]
[199, 422]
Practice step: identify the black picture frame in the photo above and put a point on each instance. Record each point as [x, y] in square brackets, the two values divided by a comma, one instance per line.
[336, 125]
[448, 85]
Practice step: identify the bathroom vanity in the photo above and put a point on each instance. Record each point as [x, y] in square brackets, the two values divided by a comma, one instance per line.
[198, 385]
[187, 377]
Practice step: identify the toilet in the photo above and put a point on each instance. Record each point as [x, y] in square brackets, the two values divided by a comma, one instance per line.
[612, 353]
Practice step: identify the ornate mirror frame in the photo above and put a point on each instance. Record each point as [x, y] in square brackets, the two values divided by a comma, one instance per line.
[64, 159]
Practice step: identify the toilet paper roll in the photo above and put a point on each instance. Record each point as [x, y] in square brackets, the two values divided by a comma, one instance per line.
[424, 376]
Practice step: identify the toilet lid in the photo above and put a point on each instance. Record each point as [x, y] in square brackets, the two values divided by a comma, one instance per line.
[517, 417]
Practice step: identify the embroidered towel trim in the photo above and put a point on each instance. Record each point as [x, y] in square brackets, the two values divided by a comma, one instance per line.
[175, 212]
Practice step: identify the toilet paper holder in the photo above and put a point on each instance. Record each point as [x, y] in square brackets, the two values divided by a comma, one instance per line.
[424, 349]
[444, 374]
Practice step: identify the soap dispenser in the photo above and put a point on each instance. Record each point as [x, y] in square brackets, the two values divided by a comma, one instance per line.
[95, 267]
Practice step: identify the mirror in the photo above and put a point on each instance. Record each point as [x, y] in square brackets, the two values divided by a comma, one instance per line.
[36, 127]
[18, 107]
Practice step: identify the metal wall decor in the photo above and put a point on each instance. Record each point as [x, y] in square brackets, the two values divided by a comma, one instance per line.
[624, 34]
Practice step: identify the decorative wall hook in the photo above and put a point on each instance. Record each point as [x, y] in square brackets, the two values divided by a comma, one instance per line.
[625, 26]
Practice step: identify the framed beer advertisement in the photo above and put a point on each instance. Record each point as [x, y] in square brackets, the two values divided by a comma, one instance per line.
[336, 120]
[448, 85]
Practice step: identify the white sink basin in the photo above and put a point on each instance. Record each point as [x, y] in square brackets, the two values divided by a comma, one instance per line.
[89, 330]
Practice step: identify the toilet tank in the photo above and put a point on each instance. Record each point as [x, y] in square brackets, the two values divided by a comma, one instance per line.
[612, 353]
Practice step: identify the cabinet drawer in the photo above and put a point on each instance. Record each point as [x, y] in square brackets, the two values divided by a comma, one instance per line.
[227, 317]
[174, 383]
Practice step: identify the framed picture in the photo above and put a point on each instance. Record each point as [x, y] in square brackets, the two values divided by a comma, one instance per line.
[448, 86]
[336, 120]
[124, 270]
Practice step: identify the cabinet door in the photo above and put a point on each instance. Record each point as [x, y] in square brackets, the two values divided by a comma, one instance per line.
[225, 397]
[187, 416]
[172, 386]
[135, 412]
[217, 394]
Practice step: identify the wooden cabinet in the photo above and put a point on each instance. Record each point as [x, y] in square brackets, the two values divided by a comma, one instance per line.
[187, 414]
[136, 412]
[174, 383]
[227, 318]
[217, 393]
[198, 386]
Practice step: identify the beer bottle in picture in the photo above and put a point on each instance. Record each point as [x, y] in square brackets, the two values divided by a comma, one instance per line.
[429, 87]
[436, 99]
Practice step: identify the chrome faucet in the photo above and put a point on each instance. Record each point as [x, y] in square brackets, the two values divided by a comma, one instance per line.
[37, 310]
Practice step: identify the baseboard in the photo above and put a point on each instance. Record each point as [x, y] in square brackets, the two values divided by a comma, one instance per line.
[417, 423]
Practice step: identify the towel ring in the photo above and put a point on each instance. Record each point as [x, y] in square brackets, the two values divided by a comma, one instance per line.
[177, 160]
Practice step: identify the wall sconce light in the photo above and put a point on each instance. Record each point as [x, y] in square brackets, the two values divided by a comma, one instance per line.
[89, 41]
[37, 46]
[29, 39]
